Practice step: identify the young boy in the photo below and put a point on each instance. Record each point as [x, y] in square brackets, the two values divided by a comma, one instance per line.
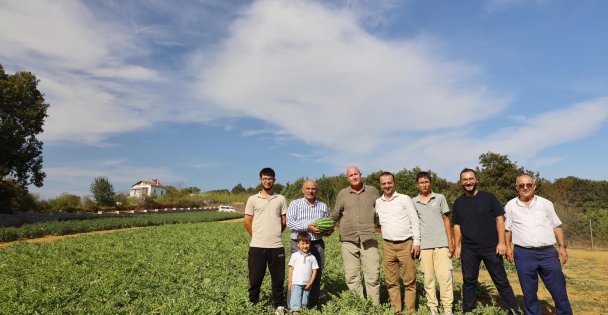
[302, 273]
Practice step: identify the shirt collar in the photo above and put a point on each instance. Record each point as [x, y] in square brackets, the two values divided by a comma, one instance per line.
[418, 198]
[355, 192]
[271, 197]
[522, 204]
[314, 204]
[395, 195]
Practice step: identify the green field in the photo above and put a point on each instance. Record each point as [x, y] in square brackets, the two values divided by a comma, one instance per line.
[74, 226]
[191, 268]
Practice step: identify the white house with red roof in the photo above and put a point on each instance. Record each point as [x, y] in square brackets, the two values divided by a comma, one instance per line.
[147, 188]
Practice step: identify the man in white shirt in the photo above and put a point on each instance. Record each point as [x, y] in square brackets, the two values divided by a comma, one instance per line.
[533, 227]
[401, 242]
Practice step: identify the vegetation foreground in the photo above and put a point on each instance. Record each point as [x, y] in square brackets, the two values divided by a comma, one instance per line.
[191, 268]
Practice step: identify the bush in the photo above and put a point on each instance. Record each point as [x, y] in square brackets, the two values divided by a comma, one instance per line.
[65, 203]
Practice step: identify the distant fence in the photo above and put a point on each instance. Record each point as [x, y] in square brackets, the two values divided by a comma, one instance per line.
[586, 234]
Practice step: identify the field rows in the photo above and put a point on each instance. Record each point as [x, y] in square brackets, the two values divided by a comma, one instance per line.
[192, 268]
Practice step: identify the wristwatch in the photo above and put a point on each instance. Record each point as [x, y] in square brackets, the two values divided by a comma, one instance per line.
[565, 245]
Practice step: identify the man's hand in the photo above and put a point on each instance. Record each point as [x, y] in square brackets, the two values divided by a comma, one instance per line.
[308, 286]
[328, 233]
[501, 249]
[415, 251]
[563, 255]
[451, 249]
[313, 229]
[457, 253]
[510, 254]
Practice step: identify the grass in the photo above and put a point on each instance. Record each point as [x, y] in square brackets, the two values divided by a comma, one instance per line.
[201, 268]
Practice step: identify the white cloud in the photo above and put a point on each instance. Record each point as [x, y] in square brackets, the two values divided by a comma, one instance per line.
[316, 73]
[448, 152]
[82, 63]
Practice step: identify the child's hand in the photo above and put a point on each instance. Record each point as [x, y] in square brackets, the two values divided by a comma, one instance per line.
[289, 287]
[307, 287]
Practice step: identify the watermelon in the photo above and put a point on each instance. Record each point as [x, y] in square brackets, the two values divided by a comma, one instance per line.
[325, 224]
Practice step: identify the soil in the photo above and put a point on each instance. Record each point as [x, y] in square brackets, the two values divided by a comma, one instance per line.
[51, 238]
[586, 278]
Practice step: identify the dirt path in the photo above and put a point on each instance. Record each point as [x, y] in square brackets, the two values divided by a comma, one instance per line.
[51, 238]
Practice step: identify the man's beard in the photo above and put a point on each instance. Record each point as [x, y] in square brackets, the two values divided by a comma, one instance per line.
[465, 189]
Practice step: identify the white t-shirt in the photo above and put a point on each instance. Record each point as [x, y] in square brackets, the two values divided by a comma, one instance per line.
[303, 265]
[531, 226]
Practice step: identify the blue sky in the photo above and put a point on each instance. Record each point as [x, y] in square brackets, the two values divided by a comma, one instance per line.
[206, 93]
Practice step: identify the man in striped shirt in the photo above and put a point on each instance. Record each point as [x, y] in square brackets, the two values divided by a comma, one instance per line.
[301, 216]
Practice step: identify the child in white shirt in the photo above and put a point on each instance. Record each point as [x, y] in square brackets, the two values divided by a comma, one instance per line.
[302, 272]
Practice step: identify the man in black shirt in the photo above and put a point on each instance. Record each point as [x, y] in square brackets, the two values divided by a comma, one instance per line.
[479, 235]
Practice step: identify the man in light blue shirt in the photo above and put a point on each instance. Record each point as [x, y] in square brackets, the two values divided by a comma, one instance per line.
[301, 216]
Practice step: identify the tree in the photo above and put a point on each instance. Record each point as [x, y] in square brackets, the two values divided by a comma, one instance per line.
[103, 191]
[497, 174]
[238, 189]
[191, 190]
[22, 114]
[278, 188]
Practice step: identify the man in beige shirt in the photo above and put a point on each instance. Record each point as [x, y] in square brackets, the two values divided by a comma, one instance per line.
[354, 211]
[265, 219]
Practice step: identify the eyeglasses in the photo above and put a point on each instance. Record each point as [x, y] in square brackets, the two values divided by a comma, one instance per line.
[526, 185]
[267, 179]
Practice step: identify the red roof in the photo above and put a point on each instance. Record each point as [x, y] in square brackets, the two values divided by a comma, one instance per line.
[151, 183]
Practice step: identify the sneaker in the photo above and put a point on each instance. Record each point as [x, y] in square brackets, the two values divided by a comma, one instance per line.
[280, 310]
[448, 313]
[434, 312]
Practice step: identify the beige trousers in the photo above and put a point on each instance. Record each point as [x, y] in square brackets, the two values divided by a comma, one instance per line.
[398, 261]
[357, 258]
[436, 263]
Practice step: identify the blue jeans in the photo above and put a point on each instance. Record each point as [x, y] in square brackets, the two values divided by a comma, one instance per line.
[299, 297]
[471, 259]
[545, 262]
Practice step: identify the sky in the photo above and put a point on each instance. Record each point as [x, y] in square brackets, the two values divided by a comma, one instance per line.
[206, 93]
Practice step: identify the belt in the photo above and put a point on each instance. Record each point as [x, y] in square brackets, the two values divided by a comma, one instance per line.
[397, 242]
[536, 248]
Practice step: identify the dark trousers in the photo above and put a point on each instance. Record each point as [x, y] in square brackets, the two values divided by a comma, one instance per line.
[545, 262]
[317, 249]
[257, 260]
[471, 260]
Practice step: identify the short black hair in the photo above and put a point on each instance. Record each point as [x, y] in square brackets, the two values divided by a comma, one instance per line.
[387, 174]
[423, 174]
[466, 170]
[267, 171]
[303, 236]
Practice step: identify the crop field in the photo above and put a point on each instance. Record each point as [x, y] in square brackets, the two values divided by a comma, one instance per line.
[201, 268]
[73, 226]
